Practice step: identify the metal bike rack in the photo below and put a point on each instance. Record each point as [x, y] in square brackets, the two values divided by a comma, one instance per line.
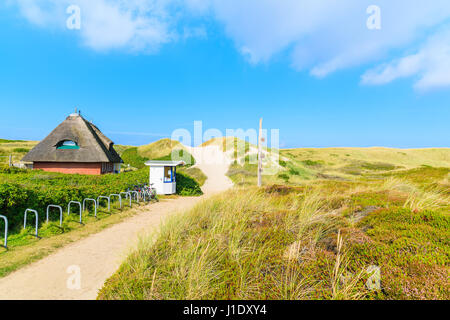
[79, 204]
[143, 194]
[60, 213]
[6, 231]
[107, 198]
[118, 196]
[95, 205]
[37, 220]
[136, 194]
[127, 196]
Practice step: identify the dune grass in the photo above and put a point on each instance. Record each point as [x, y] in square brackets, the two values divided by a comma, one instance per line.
[195, 173]
[17, 148]
[297, 166]
[158, 149]
[315, 241]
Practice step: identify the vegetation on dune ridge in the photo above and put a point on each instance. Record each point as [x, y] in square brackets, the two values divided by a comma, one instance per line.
[137, 156]
[158, 149]
[314, 241]
[298, 166]
[16, 148]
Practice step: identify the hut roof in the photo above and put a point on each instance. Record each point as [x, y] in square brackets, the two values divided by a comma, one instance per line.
[93, 145]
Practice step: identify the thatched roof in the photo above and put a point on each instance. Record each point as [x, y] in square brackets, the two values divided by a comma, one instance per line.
[93, 145]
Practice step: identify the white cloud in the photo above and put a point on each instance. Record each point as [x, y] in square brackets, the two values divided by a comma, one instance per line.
[320, 36]
[430, 65]
[136, 25]
[325, 36]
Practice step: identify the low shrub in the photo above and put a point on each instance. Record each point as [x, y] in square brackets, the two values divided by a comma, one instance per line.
[187, 186]
[21, 150]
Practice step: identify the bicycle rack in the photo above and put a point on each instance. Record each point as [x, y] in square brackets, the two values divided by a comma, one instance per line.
[107, 198]
[118, 196]
[68, 209]
[136, 194]
[37, 220]
[95, 205]
[6, 231]
[143, 194]
[60, 213]
[127, 196]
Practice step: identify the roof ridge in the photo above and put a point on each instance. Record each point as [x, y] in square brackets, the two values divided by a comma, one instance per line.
[97, 138]
[94, 145]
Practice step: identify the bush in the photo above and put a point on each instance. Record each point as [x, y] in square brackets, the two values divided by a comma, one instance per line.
[21, 150]
[284, 176]
[21, 189]
[132, 157]
[187, 186]
[195, 173]
[10, 170]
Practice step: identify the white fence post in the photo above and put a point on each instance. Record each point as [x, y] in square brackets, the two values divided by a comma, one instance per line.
[37, 220]
[79, 204]
[60, 213]
[6, 230]
[95, 205]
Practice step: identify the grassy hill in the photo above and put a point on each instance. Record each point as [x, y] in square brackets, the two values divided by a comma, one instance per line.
[160, 150]
[316, 241]
[308, 164]
[17, 148]
[317, 230]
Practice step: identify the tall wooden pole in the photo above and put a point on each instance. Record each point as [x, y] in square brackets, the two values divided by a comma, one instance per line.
[260, 139]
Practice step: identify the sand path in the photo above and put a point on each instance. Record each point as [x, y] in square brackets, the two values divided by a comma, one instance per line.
[94, 259]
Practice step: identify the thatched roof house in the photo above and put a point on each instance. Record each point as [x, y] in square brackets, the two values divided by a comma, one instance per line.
[75, 146]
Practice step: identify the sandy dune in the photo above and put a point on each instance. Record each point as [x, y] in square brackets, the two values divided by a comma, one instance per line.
[99, 255]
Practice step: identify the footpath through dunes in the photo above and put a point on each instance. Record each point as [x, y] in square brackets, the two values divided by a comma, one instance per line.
[98, 256]
[215, 164]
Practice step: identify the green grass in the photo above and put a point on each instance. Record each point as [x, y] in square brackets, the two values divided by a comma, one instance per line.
[311, 241]
[16, 148]
[24, 248]
[195, 173]
[158, 149]
[133, 158]
[298, 166]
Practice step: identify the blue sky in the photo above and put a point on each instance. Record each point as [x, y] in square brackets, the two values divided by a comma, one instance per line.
[141, 69]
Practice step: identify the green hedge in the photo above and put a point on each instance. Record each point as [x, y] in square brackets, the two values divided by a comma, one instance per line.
[21, 189]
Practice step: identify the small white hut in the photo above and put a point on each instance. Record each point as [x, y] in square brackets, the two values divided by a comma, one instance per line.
[163, 175]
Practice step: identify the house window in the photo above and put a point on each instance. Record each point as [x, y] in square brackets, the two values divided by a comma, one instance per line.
[169, 174]
[67, 144]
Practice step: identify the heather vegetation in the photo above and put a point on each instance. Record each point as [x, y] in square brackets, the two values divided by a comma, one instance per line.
[298, 166]
[321, 238]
